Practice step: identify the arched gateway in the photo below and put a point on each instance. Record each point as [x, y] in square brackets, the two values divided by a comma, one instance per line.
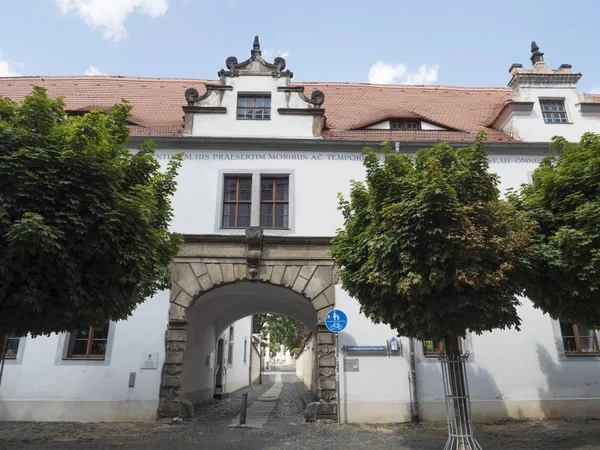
[207, 262]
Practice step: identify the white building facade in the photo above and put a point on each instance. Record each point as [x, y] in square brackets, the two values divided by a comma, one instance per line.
[267, 156]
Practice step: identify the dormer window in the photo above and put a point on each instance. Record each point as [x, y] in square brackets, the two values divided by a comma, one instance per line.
[554, 111]
[405, 125]
[254, 107]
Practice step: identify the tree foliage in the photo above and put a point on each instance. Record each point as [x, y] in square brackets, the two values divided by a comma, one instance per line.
[563, 278]
[83, 221]
[281, 330]
[428, 247]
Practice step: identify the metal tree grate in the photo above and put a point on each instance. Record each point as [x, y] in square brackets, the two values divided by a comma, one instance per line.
[458, 404]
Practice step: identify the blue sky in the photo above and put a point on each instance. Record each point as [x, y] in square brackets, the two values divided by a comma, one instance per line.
[460, 42]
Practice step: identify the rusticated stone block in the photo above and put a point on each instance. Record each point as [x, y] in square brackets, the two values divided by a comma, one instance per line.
[322, 279]
[327, 409]
[173, 369]
[277, 275]
[185, 277]
[175, 347]
[169, 406]
[325, 349]
[176, 335]
[175, 290]
[169, 393]
[326, 360]
[184, 299]
[325, 338]
[289, 277]
[326, 372]
[265, 273]
[205, 281]
[322, 313]
[300, 284]
[228, 276]
[307, 271]
[174, 358]
[327, 396]
[177, 312]
[215, 274]
[239, 271]
[169, 381]
[326, 383]
[199, 269]
[321, 301]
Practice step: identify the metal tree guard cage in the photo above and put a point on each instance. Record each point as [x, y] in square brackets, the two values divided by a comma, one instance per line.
[458, 404]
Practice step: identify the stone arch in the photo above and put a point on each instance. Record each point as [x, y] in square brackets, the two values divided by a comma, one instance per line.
[206, 263]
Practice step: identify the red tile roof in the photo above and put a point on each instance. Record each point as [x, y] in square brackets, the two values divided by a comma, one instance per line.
[157, 102]
[351, 106]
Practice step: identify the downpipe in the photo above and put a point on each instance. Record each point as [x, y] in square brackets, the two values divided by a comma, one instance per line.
[412, 375]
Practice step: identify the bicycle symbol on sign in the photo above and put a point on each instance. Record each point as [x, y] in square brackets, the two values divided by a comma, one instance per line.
[336, 326]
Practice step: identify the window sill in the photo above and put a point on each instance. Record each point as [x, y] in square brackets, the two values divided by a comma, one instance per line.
[571, 354]
[254, 120]
[85, 359]
[558, 123]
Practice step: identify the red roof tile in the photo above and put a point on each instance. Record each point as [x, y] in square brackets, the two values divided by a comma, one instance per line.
[157, 102]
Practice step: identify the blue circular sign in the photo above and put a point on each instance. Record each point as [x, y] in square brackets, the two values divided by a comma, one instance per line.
[336, 320]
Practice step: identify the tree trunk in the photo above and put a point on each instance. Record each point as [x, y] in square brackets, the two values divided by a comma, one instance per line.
[459, 426]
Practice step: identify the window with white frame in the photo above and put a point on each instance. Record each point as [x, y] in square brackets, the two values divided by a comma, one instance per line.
[259, 198]
[554, 111]
[254, 106]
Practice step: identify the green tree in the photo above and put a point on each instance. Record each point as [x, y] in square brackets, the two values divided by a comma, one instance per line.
[281, 330]
[563, 278]
[84, 222]
[428, 247]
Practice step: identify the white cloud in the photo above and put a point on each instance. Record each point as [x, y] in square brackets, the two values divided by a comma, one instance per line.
[271, 53]
[381, 73]
[594, 91]
[6, 69]
[110, 15]
[93, 71]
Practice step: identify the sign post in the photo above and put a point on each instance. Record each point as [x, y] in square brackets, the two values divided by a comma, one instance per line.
[336, 321]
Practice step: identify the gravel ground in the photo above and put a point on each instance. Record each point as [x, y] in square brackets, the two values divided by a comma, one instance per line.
[286, 429]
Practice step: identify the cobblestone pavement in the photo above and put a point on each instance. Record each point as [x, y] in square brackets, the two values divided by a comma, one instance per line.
[287, 430]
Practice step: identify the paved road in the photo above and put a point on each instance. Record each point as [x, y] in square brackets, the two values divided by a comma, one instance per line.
[286, 429]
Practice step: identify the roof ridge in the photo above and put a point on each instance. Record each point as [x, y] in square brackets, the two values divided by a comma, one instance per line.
[405, 86]
[103, 77]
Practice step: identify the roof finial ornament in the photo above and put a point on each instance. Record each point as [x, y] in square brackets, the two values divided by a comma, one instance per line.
[536, 55]
[256, 48]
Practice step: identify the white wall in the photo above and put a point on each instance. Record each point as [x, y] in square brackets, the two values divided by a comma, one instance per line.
[281, 126]
[378, 392]
[255, 362]
[532, 128]
[238, 372]
[44, 386]
[306, 368]
[198, 372]
[316, 175]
